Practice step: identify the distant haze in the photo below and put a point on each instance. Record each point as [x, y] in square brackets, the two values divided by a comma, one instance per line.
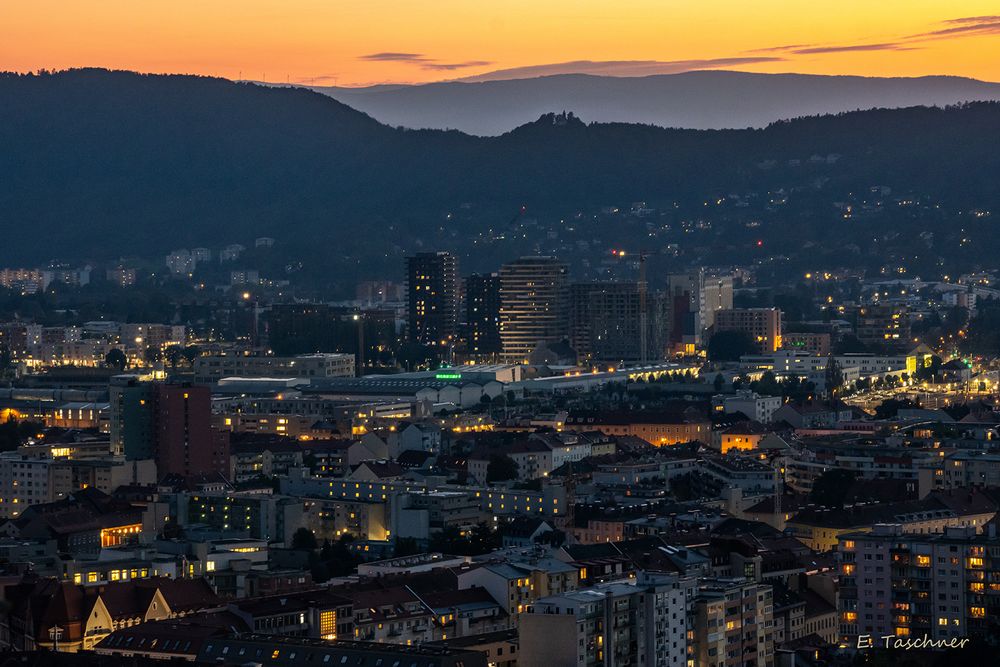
[698, 100]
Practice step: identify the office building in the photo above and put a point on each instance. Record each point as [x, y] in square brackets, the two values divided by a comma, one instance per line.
[534, 305]
[432, 298]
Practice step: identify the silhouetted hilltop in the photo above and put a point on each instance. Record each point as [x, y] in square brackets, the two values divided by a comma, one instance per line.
[101, 164]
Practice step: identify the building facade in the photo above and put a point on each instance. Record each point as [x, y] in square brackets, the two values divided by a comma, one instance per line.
[534, 305]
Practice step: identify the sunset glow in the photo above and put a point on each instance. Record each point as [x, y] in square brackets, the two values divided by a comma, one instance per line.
[331, 42]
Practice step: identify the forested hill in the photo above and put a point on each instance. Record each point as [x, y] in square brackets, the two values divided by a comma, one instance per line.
[101, 164]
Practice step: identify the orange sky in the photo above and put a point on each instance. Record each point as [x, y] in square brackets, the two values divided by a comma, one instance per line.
[376, 41]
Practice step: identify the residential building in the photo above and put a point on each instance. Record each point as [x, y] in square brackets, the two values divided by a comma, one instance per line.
[733, 624]
[897, 582]
[756, 407]
[184, 442]
[641, 622]
[811, 343]
[686, 308]
[885, 325]
[821, 528]
[482, 315]
[615, 322]
[718, 296]
[534, 305]
[657, 428]
[432, 298]
[763, 325]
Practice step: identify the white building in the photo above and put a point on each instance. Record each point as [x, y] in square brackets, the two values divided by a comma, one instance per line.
[212, 368]
[790, 362]
[756, 407]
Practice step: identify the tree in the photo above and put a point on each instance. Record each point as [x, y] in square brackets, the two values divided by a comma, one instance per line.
[889, 408]
[767, 385]
[480, 540]
[834, 376]
[405, 546]
[501, 468]
[730, 345]
[151, 355]
[718, 383]
[850, 344]
[191, 352]
[116, 359]
[173, 354]
[6, 359]
[929, 372]
[830, 489]
[304, 540]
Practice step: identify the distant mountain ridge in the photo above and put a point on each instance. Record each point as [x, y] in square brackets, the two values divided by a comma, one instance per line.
[708, 99]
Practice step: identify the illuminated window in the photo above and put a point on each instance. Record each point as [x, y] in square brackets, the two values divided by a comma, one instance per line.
[328, 624]
[923, 561]
[977, 612]
[850, 616]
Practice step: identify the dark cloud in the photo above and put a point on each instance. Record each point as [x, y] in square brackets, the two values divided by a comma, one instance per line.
[846, 48]
[318, 79]
[619, 67]
[454, 66]
[786, 47]
[395, 56]
[422, 61]
[967, 27]
[974, 19]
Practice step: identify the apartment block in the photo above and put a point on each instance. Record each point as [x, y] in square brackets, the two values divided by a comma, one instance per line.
[906, 584]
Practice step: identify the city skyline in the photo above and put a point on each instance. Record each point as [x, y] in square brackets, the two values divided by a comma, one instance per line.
[309, 43]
